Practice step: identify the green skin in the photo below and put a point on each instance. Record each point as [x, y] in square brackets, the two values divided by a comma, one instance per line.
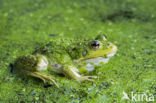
[65, 56]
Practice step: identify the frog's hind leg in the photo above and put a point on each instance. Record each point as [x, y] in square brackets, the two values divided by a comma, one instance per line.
[43, 77]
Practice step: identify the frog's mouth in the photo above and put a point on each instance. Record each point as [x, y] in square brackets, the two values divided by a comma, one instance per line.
[107, 53]
[99, 57]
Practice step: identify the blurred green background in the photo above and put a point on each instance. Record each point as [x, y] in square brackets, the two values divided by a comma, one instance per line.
[130, 24]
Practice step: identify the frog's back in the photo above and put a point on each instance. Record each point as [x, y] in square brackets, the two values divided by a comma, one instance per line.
[73, 48]
[49, 48]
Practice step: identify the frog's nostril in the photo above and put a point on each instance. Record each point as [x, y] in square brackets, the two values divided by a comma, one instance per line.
[108, 44]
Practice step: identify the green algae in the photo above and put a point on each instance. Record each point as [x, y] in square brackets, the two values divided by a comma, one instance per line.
[24, 24]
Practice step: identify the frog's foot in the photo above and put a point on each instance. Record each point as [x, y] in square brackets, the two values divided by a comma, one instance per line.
[43, 77]
[85, 78]
[88, 78]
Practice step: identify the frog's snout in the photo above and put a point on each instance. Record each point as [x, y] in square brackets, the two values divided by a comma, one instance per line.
[113, 50]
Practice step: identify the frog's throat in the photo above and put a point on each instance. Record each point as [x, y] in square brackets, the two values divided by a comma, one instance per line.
[90, 64]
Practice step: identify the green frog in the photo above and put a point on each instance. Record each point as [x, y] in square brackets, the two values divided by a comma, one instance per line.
[71, 58]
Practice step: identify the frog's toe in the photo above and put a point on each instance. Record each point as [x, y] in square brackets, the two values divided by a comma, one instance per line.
[90, 77]
[52, 80]
[43, 77]
[90, 80]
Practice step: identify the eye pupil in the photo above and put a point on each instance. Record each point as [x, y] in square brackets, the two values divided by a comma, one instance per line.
[95, 44]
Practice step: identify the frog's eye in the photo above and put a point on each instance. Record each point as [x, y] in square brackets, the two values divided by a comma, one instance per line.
[95, 44]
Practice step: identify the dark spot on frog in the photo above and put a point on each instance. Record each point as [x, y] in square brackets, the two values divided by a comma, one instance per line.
[84, 52]
[134, 57]
[74, 49]
[61, 75]
[105, 56]
[90, 97]
[108, 44]
[56, 65]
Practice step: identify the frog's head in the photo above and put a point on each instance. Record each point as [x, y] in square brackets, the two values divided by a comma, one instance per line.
[99, 47]
[96, 52]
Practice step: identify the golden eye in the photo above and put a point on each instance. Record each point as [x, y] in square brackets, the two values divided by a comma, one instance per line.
[95, 44]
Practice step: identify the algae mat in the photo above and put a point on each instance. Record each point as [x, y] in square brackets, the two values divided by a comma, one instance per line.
[130, 24]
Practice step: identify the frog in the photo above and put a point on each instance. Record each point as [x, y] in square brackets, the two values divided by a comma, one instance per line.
[70, 57]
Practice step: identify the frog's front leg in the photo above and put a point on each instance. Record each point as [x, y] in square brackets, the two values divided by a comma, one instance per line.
[72, 73]
[43, 77]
